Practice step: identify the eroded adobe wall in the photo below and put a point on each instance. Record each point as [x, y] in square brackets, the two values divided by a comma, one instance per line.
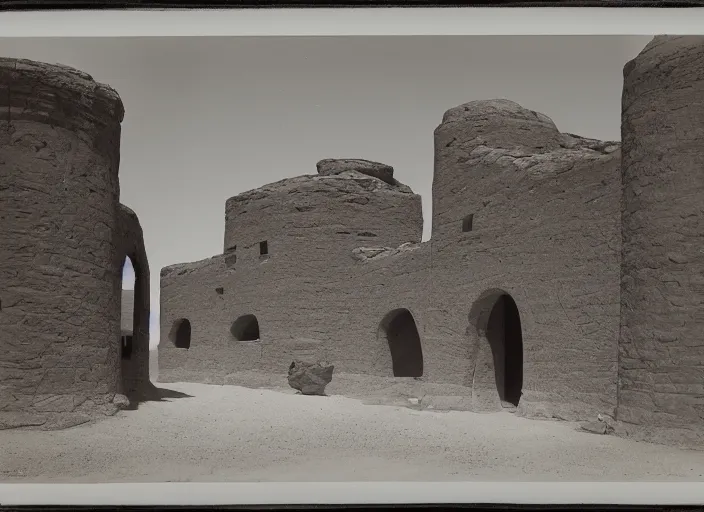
[383, 280]
[546, 230]
[346, 333]
[135, 368]
[199, 293]
[311, 223]
[302, 292]
[59, 278]
[661, 347]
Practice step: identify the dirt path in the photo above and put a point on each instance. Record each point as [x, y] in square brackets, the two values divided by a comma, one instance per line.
[228, 433]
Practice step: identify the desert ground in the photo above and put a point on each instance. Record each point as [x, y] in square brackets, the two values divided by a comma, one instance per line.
[217, 433]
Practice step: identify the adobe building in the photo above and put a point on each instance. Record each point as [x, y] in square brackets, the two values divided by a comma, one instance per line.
[564, 275]
[65, 237]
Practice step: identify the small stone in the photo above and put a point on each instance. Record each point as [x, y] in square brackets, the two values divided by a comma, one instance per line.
[310, 379]
[594, 427]
[121, 401]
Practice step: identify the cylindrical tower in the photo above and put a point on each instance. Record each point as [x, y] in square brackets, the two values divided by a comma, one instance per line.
[59, 263]
[661, 352]
[310, 224]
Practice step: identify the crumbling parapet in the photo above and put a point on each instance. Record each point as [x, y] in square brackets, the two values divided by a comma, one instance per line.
[316, 220]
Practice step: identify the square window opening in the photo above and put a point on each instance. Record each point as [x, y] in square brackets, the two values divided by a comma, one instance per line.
[467, 223]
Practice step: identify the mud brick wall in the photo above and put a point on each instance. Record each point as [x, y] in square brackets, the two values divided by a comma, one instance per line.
[135, 367]
[297, 290]
[592, 254]
[545, 229]
[59, 262]
[662, 335]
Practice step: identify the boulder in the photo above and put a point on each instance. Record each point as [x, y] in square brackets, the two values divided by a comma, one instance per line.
[332, 166]
[309, 378]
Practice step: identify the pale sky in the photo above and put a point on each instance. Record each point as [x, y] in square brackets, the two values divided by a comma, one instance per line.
[209, 117]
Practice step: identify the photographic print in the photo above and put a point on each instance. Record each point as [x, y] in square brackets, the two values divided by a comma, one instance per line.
[407, 258]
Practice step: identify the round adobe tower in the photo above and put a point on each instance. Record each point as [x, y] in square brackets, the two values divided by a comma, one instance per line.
[661, 363]
[317, 220]
[60, 261]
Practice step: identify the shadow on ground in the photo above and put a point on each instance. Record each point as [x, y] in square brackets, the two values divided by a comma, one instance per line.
[156, 394]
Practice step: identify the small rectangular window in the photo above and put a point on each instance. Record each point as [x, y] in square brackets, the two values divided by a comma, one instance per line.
[467, 223]
[263, 248]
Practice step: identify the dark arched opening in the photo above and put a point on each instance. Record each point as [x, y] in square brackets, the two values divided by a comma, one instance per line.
[127, 309]
[180, 334]
[399, 329]
[245, 328]
[503, 331]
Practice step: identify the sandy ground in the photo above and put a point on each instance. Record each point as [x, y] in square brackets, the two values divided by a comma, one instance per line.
[229, 433]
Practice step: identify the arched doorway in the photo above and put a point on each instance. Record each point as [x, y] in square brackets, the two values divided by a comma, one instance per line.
[127, 311]
[399, 330]
[180, 334]
[245, 328]
[497, 317]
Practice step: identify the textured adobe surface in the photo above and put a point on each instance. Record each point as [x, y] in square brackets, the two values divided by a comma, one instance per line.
[135, 369]
[662, 342]
[347, 280]
[301, 291]
[63, 239]
[545, 231]
[562, 275]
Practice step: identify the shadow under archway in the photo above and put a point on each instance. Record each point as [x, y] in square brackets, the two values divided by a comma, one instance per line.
[180, 334]
[497, 320]
[245, 328]
[399, 329]
[157, 394]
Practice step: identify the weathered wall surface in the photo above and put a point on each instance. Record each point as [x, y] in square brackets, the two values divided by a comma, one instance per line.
[337, 321]
[135, 368]
[59, 275]
[382, 280]
[545, 230]
[662, 348]
[302, 290]
[312, 223]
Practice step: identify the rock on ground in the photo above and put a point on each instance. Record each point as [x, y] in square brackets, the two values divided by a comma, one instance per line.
[309, 379]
